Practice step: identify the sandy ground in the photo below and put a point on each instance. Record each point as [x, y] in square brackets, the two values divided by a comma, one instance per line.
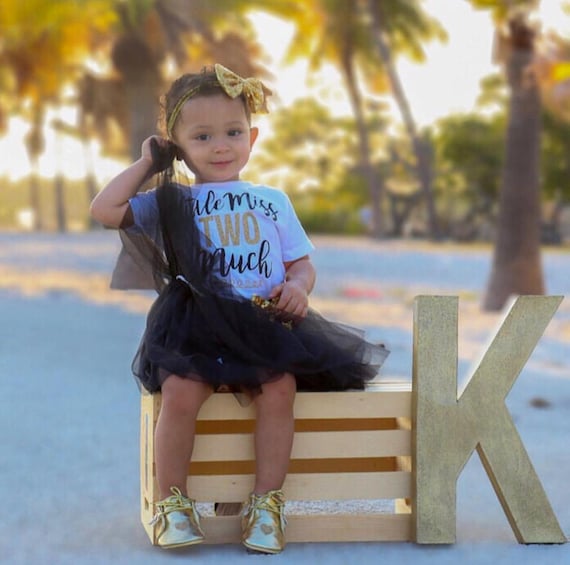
[69, 470]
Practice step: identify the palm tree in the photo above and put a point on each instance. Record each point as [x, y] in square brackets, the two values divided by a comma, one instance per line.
[45, 44]
[349, 34]
[391, 21]
[42, 47]
[517, 266]
[138, 63]
[186, 33]
[333, 31]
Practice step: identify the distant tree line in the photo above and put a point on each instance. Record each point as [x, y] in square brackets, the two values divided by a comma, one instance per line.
[113, 58]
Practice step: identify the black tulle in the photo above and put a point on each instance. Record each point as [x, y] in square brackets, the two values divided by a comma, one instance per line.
[197, 328]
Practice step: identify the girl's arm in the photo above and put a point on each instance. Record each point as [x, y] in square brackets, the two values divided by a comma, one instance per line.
[294, 292]
[111, 204]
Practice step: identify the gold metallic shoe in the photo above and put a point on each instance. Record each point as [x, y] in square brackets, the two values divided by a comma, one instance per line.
[177, 522]
[263, 522]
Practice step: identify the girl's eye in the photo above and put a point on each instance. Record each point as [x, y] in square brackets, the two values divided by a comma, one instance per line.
[234, 132]
[203, 137]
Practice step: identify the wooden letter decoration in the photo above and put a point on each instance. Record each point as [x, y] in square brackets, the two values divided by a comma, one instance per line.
[447, 428]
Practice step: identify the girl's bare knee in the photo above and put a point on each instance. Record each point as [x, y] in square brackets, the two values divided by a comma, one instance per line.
[184, 395]
[278, 394]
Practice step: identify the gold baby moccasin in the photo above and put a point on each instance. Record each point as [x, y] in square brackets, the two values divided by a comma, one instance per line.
[263, 522]
[177, 522]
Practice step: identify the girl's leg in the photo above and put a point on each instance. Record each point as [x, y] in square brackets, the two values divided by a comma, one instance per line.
[263, 520]
[275, 428]
[175, 429]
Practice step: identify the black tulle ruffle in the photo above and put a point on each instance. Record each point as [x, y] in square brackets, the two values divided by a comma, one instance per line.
[197, 328]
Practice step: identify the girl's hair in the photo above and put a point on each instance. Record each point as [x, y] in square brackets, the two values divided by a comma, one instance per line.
[190, 85]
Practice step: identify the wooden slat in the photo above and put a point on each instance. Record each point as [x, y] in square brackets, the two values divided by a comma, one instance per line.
[345, 425]
[320, 528]
[341, 486]
[148, 490]
[205, 427]
[394, 401]
[336, 465]
[308, 445]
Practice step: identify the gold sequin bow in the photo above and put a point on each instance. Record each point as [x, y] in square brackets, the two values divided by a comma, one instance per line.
[252, 88]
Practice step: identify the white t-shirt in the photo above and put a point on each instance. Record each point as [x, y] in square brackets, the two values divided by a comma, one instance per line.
[252, 228]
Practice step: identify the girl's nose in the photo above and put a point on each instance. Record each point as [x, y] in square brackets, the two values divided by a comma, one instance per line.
[220, 146]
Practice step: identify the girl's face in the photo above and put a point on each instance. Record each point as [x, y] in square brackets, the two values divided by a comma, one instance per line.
[214, 137]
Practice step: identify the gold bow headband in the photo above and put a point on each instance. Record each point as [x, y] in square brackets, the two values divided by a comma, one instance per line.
[253, 90]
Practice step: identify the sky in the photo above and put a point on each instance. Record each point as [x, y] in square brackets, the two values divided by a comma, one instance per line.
[447, 82]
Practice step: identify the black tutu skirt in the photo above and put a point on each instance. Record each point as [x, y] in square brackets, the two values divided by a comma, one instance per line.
[199, 329]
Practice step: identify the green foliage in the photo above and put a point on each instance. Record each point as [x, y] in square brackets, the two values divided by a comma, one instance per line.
[408, 27]
[555, 157]
[555, 138]
[329, 213]
[469, 161]
[308, 148]
[471, 146]
[135, 13]
[312, 156]
[332, 31]
[469, 151]
[44, 43]
[494, 92]
[503, 9]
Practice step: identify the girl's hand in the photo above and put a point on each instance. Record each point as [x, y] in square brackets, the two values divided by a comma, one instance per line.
[111, 206]
[293, 299]
[293, 294]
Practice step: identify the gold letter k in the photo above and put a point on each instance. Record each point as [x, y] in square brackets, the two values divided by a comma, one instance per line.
[447, 429]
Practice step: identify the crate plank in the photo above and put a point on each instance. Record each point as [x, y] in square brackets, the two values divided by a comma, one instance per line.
[307, 445]
[379, 399]
[320, 528]
[309, 486]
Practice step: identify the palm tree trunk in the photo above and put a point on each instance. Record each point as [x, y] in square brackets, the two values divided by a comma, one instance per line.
[59, 187]
[35, 143]
[421, 150]
[517, 265]
[35, 200]
[142, 100]
[138, 66]
[373, 180]
[90, 178]
[60, 214]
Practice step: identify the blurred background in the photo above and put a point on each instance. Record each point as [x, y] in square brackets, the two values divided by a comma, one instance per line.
[425, 145]
[431, 119]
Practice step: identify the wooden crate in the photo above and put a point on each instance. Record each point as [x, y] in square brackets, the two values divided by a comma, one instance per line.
[348, 445]
[361, 445]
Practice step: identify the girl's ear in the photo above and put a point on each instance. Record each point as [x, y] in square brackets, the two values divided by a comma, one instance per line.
[253, 133]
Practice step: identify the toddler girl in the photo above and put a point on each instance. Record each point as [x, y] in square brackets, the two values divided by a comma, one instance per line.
[231, 263]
